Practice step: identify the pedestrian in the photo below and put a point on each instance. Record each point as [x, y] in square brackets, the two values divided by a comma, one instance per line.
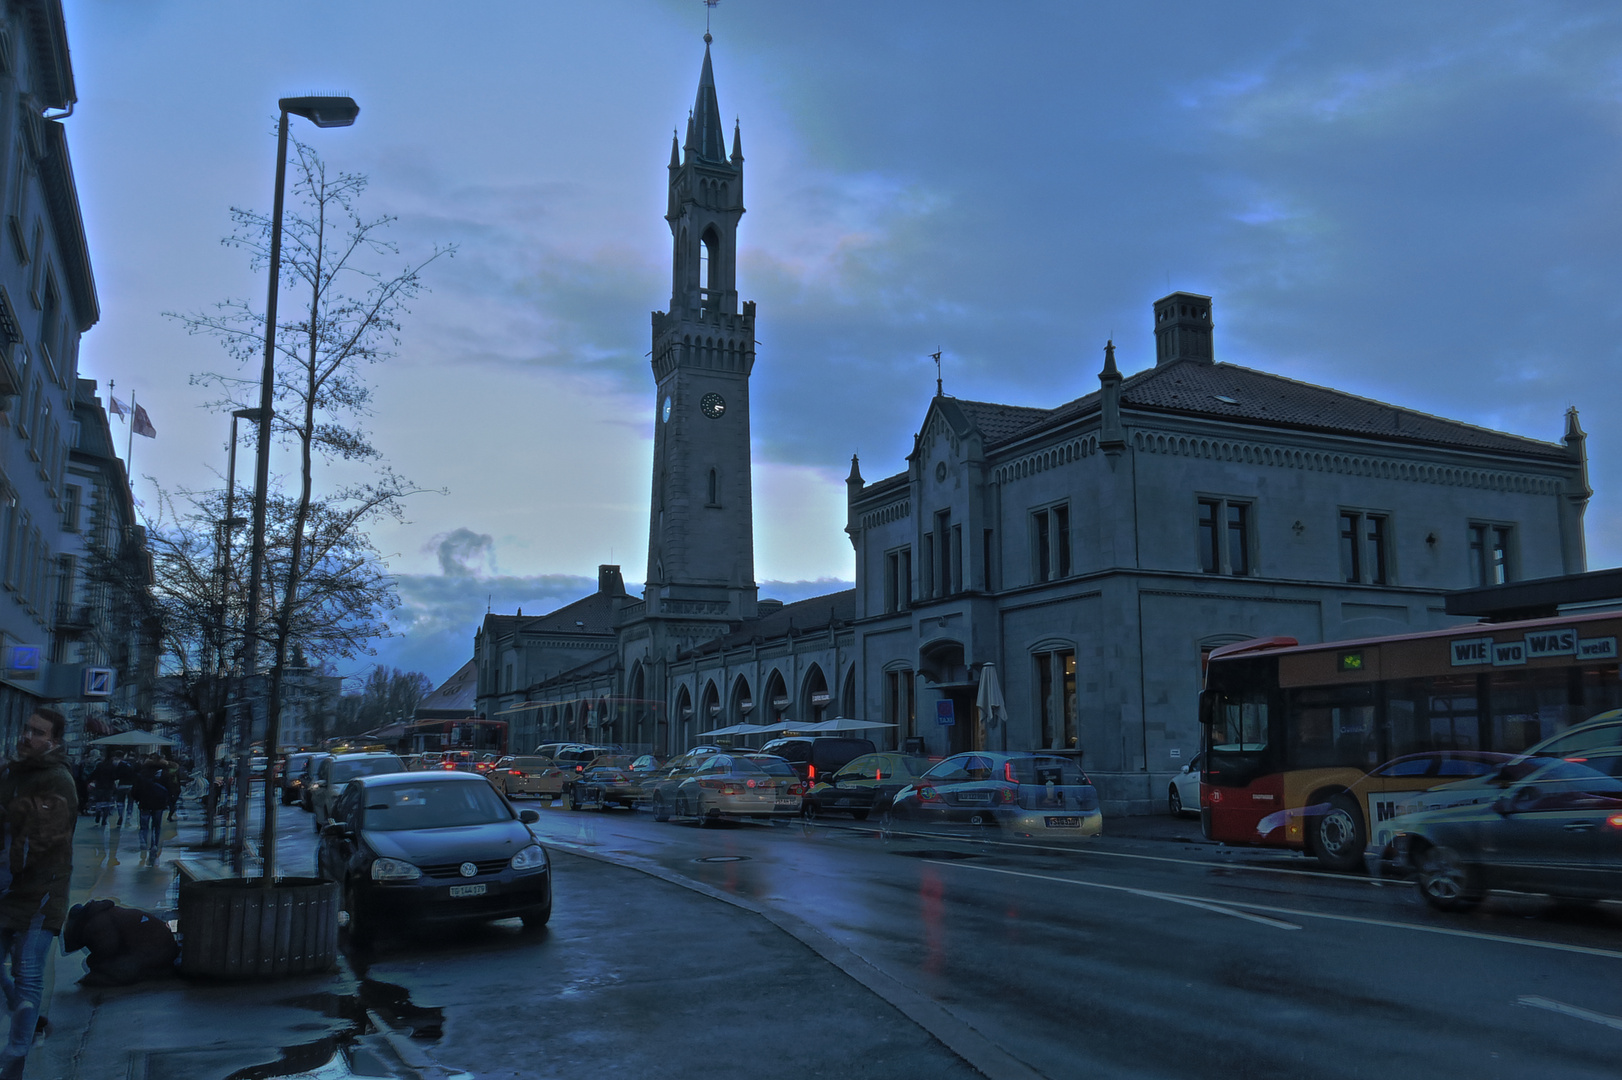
[124, 779]
[126, 945]
[171, 780]
[153, 799]
[41, 807]
[103, 784]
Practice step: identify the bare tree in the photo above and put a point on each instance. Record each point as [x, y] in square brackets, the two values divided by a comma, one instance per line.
[355, 293]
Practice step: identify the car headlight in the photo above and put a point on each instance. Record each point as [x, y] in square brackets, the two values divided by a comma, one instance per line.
[531, 858]
[394, 870]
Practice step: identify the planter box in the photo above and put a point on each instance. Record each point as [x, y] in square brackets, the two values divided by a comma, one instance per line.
[235, 928]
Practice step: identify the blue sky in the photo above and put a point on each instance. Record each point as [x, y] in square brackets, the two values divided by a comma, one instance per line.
[1412, 202]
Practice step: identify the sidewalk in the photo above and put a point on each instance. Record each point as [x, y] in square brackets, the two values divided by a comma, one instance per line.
[169, 1027]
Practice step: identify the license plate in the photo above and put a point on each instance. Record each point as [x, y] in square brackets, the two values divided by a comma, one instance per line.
[974, 797]
[459, 891]
[1064, 822]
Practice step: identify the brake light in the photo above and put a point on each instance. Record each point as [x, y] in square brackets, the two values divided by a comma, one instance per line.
[751, 783]
[878, 774]
[1008, 772]
[515, 772]
[810, 772]
[1614, 821]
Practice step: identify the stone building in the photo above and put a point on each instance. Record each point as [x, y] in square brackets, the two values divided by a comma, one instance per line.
[47, 300]
[1092, 552]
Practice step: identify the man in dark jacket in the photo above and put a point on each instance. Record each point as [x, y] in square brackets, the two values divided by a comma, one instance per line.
[153, 799]
[41, 807]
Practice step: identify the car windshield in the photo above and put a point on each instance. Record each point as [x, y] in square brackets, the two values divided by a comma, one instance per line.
[349, 770]
[398, 807]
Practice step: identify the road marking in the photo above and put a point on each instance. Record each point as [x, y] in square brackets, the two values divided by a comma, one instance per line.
[1174, 898]
[1571, 1010]
[1445, 931]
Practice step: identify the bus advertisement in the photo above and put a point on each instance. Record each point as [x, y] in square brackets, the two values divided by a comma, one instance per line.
[1318, 747]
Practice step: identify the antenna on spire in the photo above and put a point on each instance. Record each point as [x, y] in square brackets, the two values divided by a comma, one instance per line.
[936, 356]
[709, 5]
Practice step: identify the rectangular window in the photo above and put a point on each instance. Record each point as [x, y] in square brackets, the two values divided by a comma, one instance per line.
[1061, 538]
[898, 580]
[1042, 556]
[905, 581]
[1490, 554]
[1044, 695]
[1067, 672]
[899, 706]
[926, 581]
[1210, 551]
[1363, 556]
[957, 557]
[988, 582]
[943, 552]
[70, 508]
[1224, 536]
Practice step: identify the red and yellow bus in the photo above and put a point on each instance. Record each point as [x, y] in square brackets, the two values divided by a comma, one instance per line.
[1312, 746]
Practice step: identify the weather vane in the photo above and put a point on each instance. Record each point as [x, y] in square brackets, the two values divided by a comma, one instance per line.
[935, 356]
[709, 5]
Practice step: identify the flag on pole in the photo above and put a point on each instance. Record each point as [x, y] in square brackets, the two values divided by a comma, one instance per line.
[142, 424]
[118, 408]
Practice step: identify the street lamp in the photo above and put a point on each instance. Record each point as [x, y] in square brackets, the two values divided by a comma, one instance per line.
[323, 112]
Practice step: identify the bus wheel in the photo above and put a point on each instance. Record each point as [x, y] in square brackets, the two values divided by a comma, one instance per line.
[1338, 835]
[1446, 881]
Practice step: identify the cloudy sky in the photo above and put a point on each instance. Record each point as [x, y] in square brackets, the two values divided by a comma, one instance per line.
[1414, 202]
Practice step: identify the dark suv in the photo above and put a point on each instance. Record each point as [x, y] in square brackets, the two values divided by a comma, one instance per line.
[818, 757]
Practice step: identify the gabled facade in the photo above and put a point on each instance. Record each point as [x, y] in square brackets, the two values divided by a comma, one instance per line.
[1096, 551]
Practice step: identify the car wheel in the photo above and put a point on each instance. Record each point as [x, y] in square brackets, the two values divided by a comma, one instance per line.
[1338, 836]
[574, 799]
[1174, 801]
[535, 918]
[1447, 882]
[809, 810]
[661, 812]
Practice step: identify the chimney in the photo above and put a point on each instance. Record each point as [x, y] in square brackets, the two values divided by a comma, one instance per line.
[1183, 329]
[609, 580]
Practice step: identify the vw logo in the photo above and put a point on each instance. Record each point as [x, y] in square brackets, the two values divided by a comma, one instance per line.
[467, 869]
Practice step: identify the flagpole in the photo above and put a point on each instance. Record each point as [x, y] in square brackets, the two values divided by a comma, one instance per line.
[129, 451]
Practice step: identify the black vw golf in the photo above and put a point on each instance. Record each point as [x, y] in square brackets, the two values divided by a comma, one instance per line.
[432, 847]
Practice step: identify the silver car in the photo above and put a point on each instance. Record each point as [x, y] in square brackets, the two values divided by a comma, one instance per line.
[335, 772]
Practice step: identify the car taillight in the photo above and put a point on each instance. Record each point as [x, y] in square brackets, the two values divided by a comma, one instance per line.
[1008, 772]
[1614, 821]
[796, 789]
[1006, 795]
[928, 794]
[750, 783]
[515, 772]
[811, 773]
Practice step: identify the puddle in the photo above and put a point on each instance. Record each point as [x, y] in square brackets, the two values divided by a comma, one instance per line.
[927, 853]
[356, 1049]
[723, 858]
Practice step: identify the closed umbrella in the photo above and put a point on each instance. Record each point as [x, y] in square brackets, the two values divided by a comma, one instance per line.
[993, 711]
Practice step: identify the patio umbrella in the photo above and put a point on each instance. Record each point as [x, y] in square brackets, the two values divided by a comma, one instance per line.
[133, 738]
[993, 710]
[844, 723]
[736, 729]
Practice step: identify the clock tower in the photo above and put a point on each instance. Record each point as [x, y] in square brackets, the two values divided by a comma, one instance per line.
[701, 548]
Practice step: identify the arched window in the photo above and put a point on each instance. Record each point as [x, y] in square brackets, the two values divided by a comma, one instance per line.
[777, 699]
[847, 700]
[714, 489]
[639, 706]
[709, 269]
[815, 698]
[684, 717]
[709, 715]
[743, 701]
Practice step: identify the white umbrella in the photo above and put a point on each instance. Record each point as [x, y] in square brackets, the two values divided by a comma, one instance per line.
[737, 729]
[844, 723]
[989, 701]
[133, 738]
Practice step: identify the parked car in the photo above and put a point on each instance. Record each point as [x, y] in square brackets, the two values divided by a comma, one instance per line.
[292, 777]
[527, 775]
[576, 756]
[1026, 794]
[310, 781]
[646, 764]
[600, 787]
[1556, 829]
[432, 847]
[336, 771]
[1183, 793]
[1598, 731]
[864, 784]
[660, 784]
[730, 786]
[816, 757]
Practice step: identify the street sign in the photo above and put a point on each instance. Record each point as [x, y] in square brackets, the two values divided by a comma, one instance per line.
[98, 682]
[23, 662]
[944, 714]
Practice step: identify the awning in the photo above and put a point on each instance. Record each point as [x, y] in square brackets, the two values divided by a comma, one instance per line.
[133, 738]
[737, 729]
[843, 723]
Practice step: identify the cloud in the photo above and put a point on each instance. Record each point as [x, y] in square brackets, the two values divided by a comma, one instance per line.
[464, 553]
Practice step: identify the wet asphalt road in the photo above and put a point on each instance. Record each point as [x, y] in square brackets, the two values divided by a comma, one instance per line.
[1116, 957]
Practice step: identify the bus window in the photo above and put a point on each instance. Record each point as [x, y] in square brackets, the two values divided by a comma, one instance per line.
[1240, 725]
[1333, 727]
[1529, 706]
[1433, 714]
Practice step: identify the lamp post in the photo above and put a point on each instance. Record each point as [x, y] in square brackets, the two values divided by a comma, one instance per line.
[323, 112]
[225, 533]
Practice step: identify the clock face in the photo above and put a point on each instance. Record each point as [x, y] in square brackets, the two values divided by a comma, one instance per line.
[664, 413]
[713, 405]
